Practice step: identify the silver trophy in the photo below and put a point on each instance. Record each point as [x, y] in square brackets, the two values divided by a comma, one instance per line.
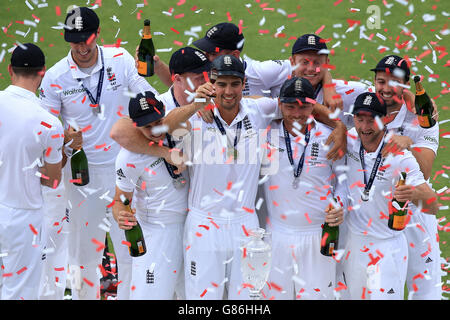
[256, 261]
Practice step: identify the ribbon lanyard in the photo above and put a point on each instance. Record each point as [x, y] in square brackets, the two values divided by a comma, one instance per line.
[173, 96]
[287, 140]
[224, 133]
[96, 101]
[171, 168]
[316, 92]
[374, 169]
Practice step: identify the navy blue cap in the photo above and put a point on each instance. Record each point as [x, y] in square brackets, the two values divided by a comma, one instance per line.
[308, 42]
[144, 109]
[27, 55]
[188, 59]
[295, 89]
[224, 35]
[80, 24]
[227, 65]
[369, 102]
[395, 65]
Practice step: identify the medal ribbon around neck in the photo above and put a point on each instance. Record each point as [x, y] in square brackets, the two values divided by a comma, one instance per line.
[287, 140]
[96, 101]
[368, 184]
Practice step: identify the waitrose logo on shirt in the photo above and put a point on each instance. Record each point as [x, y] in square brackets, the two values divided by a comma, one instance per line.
[73, 91]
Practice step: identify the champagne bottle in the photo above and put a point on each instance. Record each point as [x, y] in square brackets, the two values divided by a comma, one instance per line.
[398, 212]
[146, 52]
[79, 166]
[330, 237]
[134, 236]
[424, 106]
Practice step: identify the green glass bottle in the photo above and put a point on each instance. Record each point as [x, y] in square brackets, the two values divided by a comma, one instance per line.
[135, 235]
[146, 52]
[330, 237]
[397, 216]
[79, 166]
[424, 106]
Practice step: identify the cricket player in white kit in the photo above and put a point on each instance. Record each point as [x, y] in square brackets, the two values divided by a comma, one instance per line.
[31, 141]
[160, 197]
[187, 66]
[223, 189]
[89, 89]
[298, 196]
[376, 257]
[224, 177]
[424, 271]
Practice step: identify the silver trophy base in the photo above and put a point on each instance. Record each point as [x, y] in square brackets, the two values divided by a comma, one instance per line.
[255, 295]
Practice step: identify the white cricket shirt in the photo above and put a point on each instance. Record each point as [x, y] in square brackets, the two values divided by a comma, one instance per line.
[155, 197]
[220, 187]
[405, 123]
[265, 78]
[302, 208]
[29, 136]
[348, 90]
[371, 217]
[61, 93]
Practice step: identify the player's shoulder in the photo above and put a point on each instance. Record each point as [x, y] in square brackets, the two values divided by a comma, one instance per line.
[113, 52]
[59, 69]
[133, 160]
[324, 130]
[267, 65]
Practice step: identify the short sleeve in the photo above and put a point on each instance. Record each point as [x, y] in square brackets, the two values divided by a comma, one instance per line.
[128, 170]
[427, 138]
[54, 142]
[49, 95]
[272, 73]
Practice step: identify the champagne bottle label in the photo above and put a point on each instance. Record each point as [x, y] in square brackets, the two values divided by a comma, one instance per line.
[424, 121]
[399, 222]
[142, 67]
[140, 247]
[147, 36]
[331, 248]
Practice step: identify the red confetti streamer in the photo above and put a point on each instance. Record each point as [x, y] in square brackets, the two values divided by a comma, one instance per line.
[45, 124]
[248, 210]
[33, 229]
[47, 153]
[21, 270]
[89, 283]
[319, 30]
[100, 245]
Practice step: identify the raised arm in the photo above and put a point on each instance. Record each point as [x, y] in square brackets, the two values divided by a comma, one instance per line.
[421, 195]
[179, 117]
[129, 137]
[330, 96]
[338, 136]
[51, 174]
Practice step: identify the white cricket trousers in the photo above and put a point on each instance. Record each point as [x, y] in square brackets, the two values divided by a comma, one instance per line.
[424, 266]
[21, 235]
[90, 216]
[299, 271]
[54, 272]
[212, 256]
[375, 269]
[156, 274]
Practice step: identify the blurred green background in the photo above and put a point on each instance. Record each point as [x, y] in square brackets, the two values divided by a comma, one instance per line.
[418, 30]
